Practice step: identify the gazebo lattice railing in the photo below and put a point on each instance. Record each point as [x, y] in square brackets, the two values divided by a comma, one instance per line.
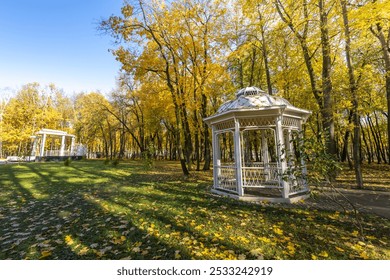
[253, 149]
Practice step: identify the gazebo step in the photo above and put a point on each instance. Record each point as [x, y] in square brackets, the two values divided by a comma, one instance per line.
[230, 190]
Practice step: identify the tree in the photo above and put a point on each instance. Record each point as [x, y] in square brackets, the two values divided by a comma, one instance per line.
[186, 57]
[4, 99]
[179, 50]
[355, 102]
[300, 26]
[380, 27]
[93, 125]
[31, 109]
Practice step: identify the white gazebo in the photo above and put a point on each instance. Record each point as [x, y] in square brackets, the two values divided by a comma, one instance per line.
[254, 148]
[53, 144]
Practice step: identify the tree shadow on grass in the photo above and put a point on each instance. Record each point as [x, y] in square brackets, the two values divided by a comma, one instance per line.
[71, 227]
[68, 224]
[12, 191]
[165, 218]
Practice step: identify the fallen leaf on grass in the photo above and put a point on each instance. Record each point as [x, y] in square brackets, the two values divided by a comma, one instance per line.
[324, 254]
[45, 254]
[278, 231]
[177, 254]
[69, 240]
[136, 249]
[364, 255]
[83, 251]
[355, 233]
[119, 240]
[339, 249]
[370, 237]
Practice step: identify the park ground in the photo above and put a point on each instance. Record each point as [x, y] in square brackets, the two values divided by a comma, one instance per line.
[92, 210]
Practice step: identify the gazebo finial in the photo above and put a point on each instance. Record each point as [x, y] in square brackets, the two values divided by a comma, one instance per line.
[249, 91]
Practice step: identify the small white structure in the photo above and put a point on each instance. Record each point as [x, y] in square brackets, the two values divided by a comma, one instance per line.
[56, 144]
[253, 148]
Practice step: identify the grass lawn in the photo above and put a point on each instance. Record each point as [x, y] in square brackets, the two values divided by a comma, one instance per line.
[89, 210]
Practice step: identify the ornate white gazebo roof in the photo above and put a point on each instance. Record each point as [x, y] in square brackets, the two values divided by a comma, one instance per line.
[258, 117]
[252, 100]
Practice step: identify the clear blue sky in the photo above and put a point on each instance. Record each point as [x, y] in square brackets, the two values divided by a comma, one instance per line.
[56, 41]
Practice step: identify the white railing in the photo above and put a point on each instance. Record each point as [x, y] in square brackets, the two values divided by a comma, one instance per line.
[56, 153]
[298, 185]
[260, 175]
[52, 153]
[256, 175]
[226, 179]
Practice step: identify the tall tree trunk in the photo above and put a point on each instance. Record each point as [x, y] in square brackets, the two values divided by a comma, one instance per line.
[265, 53]
[196, 140]
[380, 141]
[207, 150]
[376, 140]
[343, 156]
[355, 103]
[323, 100]
[327, 113]
[240, 73]
[385, 46]
[302, 38]
[178, 146]
[203, 110]
[185, 126]
[368, 146]
[253, 64]
[105, 143]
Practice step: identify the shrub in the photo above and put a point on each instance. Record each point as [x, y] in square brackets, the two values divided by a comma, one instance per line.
[67, 161]
[115, 162]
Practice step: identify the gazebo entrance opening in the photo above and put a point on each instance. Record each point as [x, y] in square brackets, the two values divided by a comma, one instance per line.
[254, 148]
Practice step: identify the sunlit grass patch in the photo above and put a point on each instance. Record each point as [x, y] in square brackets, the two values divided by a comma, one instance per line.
[89, 210]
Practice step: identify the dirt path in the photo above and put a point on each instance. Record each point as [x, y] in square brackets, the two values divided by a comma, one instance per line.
[377, 202]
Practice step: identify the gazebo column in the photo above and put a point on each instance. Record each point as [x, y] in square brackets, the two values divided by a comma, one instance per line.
[265, 155]
[282, 157]
[72, 146]
[34, 146]
[62, 149]
[244, 156]
[289, 146]
[43, 142]
[216, 156]
[303, 163]
[290, 158]
[238, 157]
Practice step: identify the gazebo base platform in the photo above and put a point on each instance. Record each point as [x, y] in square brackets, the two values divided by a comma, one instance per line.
[58, 158]
[264, 195]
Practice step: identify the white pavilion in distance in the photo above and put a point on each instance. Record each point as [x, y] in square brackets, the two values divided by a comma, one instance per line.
[50, 144]
[253, 148]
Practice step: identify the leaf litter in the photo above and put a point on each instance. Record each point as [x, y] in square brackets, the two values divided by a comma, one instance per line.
[174, 219]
